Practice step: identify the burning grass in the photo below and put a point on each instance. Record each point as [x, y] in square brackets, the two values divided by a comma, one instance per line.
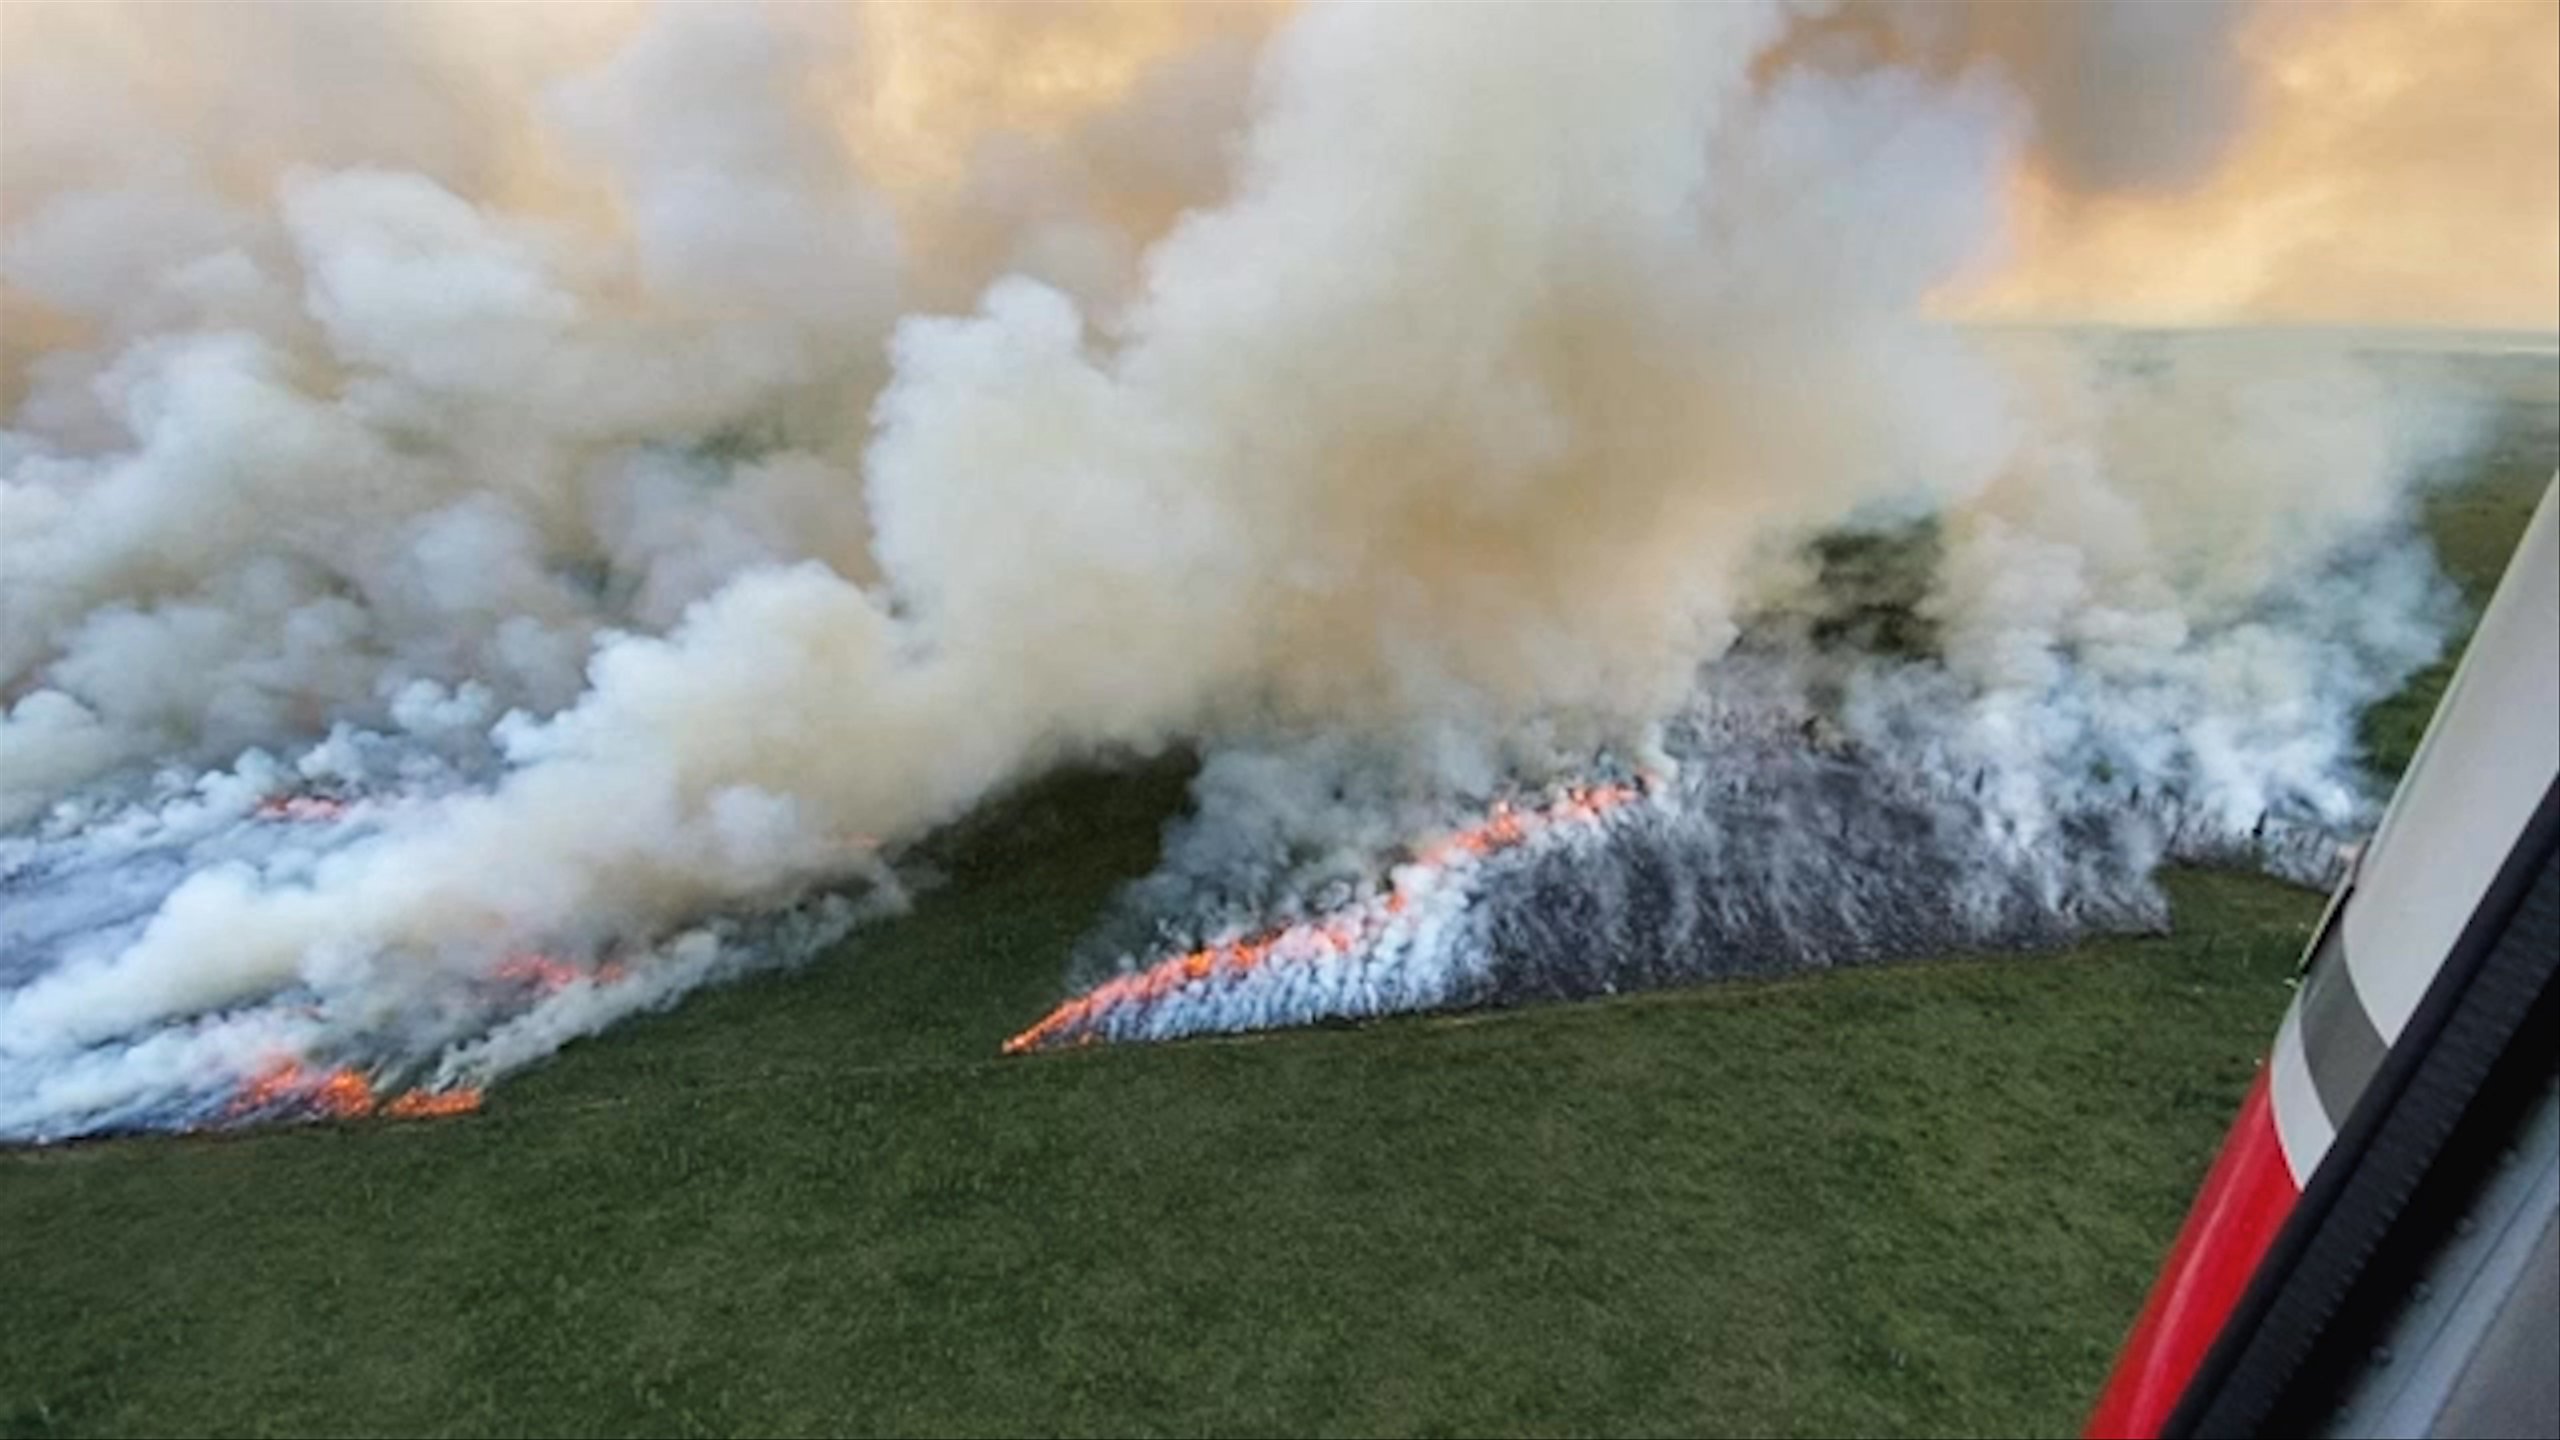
[294, 1092]
[290, 1090]
[1329, 940]
[1920, 1199]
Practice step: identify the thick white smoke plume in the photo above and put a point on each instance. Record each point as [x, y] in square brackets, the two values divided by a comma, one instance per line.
[1985, 730]
[653, 468]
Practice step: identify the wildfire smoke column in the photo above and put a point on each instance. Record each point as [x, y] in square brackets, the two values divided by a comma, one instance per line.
[660, 463]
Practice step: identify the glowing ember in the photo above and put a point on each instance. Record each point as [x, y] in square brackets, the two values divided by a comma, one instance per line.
[307, 808]
[342, 1093]
[291, 1089]
[1343, 933]
[550, 974]
[424, 1104]
[336, 1094]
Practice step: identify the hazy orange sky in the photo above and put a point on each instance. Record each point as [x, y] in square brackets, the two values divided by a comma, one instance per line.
[2400, 164]
[2396, 161]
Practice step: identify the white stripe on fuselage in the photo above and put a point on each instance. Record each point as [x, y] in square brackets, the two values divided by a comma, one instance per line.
[2302, 1122]
[2488, 758]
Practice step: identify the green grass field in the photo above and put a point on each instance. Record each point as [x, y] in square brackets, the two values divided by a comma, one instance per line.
[1921, 1199]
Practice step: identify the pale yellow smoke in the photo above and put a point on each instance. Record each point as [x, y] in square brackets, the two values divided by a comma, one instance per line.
[2391, 162]
[2398, 164]
[937, 80]
[1056, 139]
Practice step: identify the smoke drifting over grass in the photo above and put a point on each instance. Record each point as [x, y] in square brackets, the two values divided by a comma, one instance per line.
[654, 480]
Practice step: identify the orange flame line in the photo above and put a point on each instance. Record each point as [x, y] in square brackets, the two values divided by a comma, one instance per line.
[1336, 934]
[301, 807]
[423, 1104]
[550, 974]
[343, 1093]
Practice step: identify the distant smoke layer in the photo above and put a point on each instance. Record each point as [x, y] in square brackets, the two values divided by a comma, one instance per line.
[2395, 162]
[650, 467]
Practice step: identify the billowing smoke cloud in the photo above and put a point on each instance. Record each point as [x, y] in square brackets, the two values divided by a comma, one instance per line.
[649, 485]
[1985, 729]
